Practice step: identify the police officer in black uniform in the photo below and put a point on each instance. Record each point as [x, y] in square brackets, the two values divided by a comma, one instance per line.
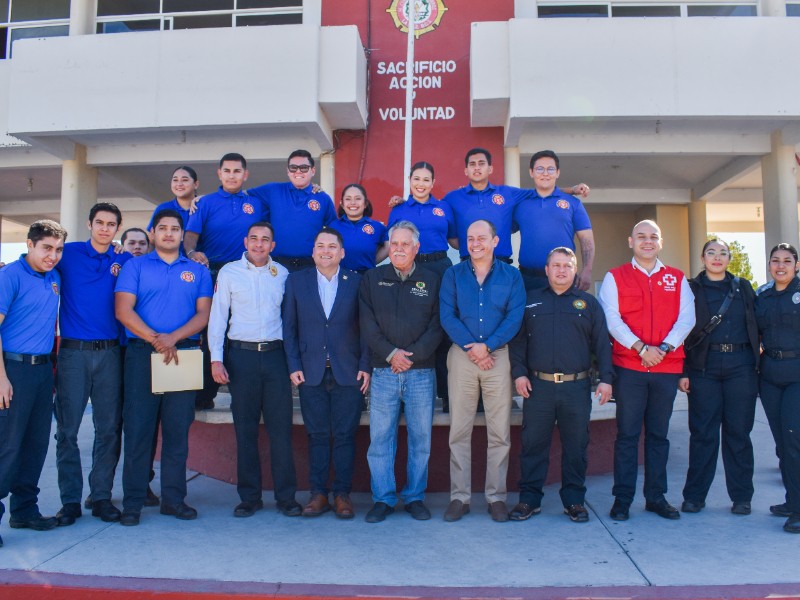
[722, 354]
[778, 316]
[550, 360]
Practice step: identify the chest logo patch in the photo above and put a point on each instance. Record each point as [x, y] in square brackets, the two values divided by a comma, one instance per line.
[54, 285]
[796, 297]
[670, 281]
[438, 212]
[115, 269]
[368, 229]
[273, 270]
[562, 204]
[313, 205]
[248, 209]
[498, 199]
[419, 289]
[187, 276]
[579, 304]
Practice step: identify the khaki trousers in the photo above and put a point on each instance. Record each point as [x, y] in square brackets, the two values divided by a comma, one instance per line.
[466, 382]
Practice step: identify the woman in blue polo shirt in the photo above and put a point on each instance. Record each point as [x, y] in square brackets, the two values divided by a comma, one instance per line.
[365, 243]
[184, 185]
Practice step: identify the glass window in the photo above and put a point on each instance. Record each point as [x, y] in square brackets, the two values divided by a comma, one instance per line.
[128, 26]
[3, 41]
[244, 4]
[3, 11]
[24, 33]
[202, 21]
[793, 10]
[720, 10]
[39, 10]
[110, 8]
[171, 6]
[251, 20]
[645, 11]
[580, 11]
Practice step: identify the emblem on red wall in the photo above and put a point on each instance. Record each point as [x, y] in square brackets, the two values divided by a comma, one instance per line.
[429, 15]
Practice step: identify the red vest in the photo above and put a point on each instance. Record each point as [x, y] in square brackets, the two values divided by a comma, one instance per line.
[649, 306]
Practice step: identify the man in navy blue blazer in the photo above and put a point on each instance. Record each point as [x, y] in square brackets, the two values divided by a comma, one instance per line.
[330, 365]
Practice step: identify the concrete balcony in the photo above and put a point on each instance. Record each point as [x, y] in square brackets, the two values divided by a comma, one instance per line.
[151, 97]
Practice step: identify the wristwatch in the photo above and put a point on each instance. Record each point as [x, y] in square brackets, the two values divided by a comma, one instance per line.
[664, 347]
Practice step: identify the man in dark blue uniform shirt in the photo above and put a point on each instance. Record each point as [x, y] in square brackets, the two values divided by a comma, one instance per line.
[29, 291]
[551, 358]
[163, 299]
[89, 364]
[295, 211]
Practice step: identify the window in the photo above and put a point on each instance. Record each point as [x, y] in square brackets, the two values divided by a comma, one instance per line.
[645, 11]
[109, 8]
[627, 8]
[39, 10]
[130, 25]
[792, 10]
[252, 20]
[721, 10]
[579, 11]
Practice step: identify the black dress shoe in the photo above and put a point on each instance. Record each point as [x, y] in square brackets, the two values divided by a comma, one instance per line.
[663, 509]
[577, 513]
[247, 509]
[181, 511]
[792, 524]
[741, 508]
[151, 499]
[620, 511]
[418, 510]
[107, 512]
[68, 514]
[378, 512]
[129, 518]
[37, 523]
[290, 508]
[523, 512]
[780, 510]
[690, 506]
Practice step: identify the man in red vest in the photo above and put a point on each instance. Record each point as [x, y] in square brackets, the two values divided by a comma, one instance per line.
[650, 311]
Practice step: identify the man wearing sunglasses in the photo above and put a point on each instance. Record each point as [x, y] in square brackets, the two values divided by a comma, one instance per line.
[550, 218]
[295, 211]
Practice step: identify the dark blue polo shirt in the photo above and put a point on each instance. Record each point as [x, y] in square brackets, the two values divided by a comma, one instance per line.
[166, 294]
[171, 205]
[547, 223]
[222, 220]
[87, 296]
[296, 215]
[29, 301]
[433, 218]
[361, 241]
[495, 203]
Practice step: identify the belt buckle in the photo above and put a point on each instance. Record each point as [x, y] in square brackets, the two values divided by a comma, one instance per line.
[558, 378]
[777, 354]
[726, 347]
[97, 345]
[263, 346]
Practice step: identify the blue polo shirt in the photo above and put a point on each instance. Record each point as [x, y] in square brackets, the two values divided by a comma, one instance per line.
[547, 223]
[222, 220]
[296, 215]
[29, 301]
[433, 218]
[361, 241]
[494, 203]
[88, 278]
[171, 205]
[166, 294]
[490, 313]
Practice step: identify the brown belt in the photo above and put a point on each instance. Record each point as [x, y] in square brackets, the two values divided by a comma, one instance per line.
[561, 377]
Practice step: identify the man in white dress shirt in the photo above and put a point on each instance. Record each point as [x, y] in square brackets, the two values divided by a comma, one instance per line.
[248, 297]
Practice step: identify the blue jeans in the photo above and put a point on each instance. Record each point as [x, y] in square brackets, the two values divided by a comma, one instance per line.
[84, 373]
[414, 388]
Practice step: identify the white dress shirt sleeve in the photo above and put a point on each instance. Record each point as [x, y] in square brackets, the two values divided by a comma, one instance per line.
[218, 320]
[686, 317]
[609, 300]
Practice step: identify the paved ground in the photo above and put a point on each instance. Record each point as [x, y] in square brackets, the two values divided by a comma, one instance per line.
[725, 555]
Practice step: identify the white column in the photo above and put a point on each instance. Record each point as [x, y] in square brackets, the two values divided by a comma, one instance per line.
[779, 183]
[82, 14]
[327, 176]
[773, 8]
[512, 177]
[698, 232]
[78, 193]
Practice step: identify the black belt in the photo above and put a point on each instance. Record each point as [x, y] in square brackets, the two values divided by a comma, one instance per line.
[294, 261]
[561, 377]
[431, 257]
[183, 344]
[256, 346]
[532, 272]
[88, 344]
[31, 359]
[728, 347]
[781, 354]
[505, 259]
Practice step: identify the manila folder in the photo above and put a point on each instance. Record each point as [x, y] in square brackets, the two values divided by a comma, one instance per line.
[186, 375]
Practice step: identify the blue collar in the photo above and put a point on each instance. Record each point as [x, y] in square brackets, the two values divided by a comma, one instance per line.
[224, 194]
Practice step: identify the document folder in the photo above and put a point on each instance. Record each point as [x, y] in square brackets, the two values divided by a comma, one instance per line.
[186, 375]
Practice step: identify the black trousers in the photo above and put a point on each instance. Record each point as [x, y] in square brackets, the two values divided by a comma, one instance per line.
[569, 405]
[643, 399]
[782, 405]
[723, 396]
[260, 386]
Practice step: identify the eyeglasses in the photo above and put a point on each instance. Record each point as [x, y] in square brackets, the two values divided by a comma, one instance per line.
[548, 170]
[712, 253]
[301, 168]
